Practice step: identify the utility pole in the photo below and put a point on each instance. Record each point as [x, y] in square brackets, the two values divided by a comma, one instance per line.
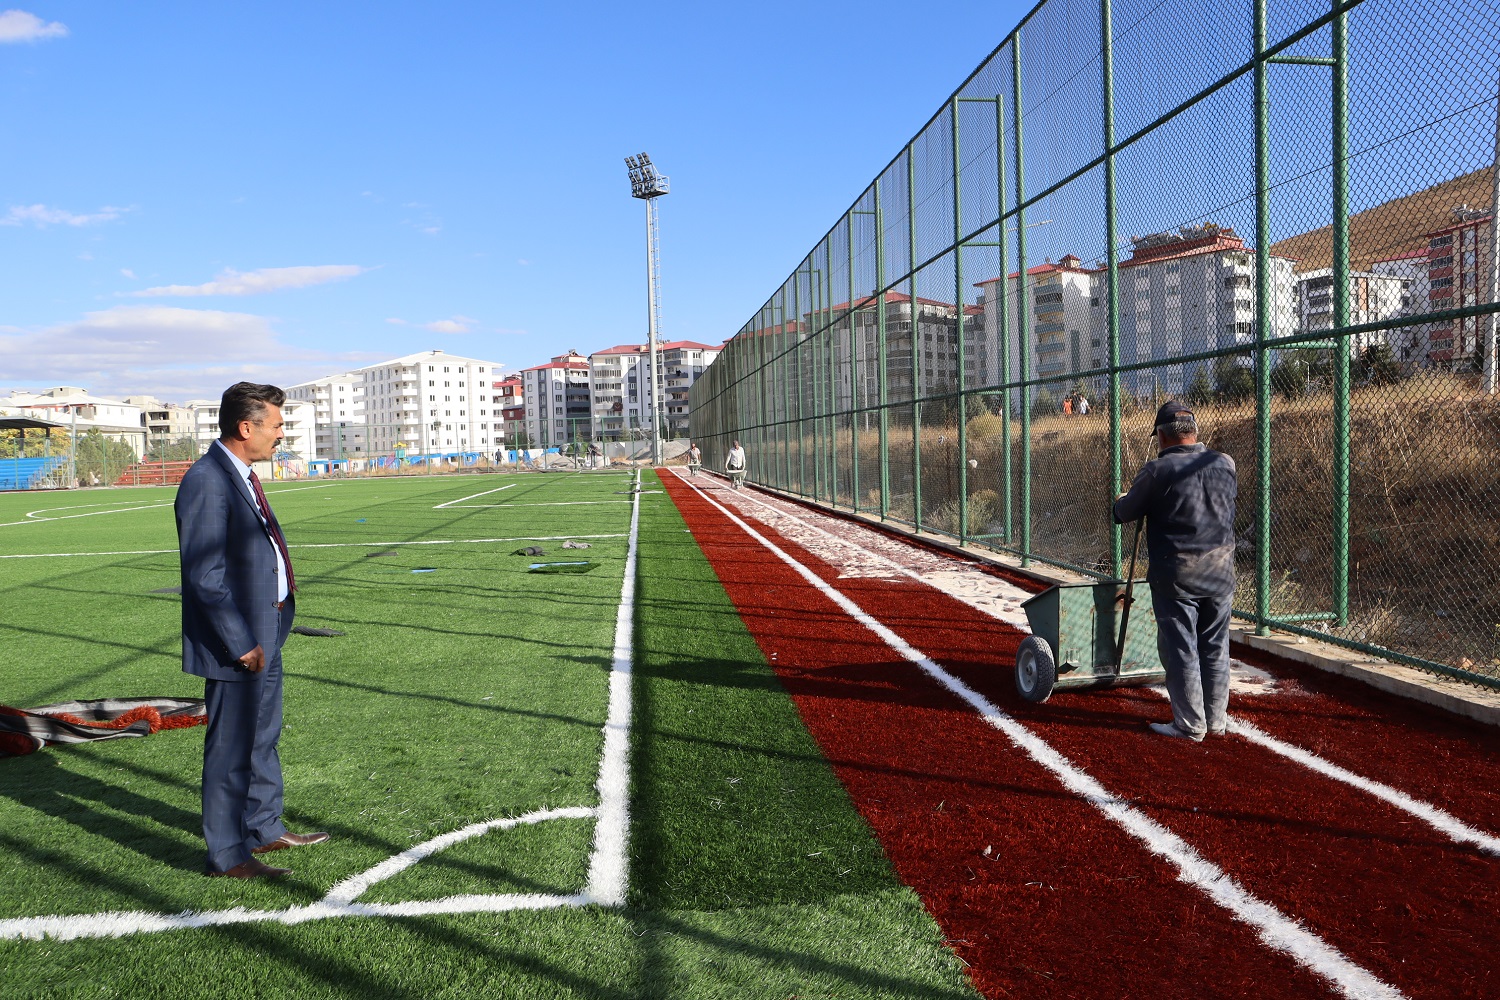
[648, 185]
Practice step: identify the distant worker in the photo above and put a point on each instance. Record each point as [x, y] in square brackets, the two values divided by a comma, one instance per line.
[734, 466]
[1067, 406]
[1187, 496]
[1082, 406]
[695, 459]
[594, 454]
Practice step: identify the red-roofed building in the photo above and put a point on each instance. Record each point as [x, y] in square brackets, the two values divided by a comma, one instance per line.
[621, 401]
[1458, 262]
[556, 400]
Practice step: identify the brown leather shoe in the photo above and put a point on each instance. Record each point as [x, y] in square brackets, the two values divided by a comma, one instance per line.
[253, 868]
[290, 840]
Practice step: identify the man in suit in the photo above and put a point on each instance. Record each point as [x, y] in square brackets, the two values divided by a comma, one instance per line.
[237, 603]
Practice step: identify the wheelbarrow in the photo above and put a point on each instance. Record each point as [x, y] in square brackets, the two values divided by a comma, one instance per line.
[1083, 635]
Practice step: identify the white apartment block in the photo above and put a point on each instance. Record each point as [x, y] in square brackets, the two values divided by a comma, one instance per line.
[163, 421]
[74, 407]
[1412, 343]
[338, 403]
[557, 401]
[616, 414]
[430, 403]
[1373, 296]
[682, 363]
[1065, 325]
[1191, 291]
[298, 418]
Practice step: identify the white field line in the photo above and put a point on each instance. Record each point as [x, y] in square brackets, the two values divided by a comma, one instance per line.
[323, 545]
[1440, 820]
[1275, 929]
[608, 871]
[299, 489]
[339, 902]
[608, 864]
[550, 503]
[94, 513]
[471, 496]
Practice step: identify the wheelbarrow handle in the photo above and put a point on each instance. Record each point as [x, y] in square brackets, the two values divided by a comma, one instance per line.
[1128, 598]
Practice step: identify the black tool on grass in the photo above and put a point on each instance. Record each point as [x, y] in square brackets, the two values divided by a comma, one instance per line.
[377, 555]
[309, 630]
[530, 550]
[167, 590]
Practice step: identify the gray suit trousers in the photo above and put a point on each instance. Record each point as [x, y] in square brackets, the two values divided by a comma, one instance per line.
[242, 787]
[1192, 636]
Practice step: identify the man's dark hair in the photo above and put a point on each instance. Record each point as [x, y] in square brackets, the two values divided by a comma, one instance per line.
[246, 401]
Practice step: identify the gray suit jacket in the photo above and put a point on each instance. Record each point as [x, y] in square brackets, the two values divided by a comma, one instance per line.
[228, 573]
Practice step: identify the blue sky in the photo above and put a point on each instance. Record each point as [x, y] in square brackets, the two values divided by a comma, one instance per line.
[199, 192]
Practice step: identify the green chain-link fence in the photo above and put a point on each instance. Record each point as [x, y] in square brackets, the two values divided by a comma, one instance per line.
[1278, 211]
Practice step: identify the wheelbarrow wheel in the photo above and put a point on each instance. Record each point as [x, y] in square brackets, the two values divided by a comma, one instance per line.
[1036, 669]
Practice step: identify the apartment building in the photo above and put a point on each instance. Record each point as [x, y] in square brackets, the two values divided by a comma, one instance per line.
[556, 401]
[682, 363]
[299, 427]
[1065, 326]
[1373, 296]
[1409, 343]
[338, 403]
[1189, 291]
[617, 406]
[509, 395]
[76, 407]
[430, 403]
[1458, 268]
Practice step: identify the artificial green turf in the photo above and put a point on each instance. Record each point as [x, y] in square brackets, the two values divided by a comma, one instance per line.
[474, 692]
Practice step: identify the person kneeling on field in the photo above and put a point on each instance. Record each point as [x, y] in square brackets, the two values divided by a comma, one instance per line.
[1187, 496]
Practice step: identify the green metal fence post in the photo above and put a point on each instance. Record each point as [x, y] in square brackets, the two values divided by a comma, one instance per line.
[853, 365]
[881, 365]
[1023, 331]
[788, 374]
[800, 367]
[1262, 324]
[1112, 278]
[958, 336]
[916, 339]
[1002, 312]
[1341, 317]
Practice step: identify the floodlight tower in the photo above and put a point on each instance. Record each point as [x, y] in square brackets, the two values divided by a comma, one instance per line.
[648, 185]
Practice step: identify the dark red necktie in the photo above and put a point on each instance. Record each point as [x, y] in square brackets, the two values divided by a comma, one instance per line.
[273, 530]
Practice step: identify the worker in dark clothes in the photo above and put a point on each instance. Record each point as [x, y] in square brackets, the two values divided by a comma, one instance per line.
[1187, 497]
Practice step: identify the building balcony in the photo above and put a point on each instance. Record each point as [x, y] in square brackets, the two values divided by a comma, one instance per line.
[1041, 329]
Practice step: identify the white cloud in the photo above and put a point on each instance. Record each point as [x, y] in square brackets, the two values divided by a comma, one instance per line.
[22, 26]
[455, 324]
[397, 321]
[523, 262]
[267, 279]
[41, 216]
[127, 272]
[85, 255]
[167, 351]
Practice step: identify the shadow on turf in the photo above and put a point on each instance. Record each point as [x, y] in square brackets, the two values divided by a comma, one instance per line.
[111, 811]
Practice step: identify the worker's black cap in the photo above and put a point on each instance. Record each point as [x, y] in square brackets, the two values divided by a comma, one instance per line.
[1168, 413]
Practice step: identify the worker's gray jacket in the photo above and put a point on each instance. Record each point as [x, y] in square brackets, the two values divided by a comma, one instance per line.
[1187, 497]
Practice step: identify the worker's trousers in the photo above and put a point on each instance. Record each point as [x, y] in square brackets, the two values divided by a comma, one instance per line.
[1192, 636]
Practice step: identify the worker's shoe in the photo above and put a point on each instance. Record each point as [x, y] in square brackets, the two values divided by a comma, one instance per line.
[1170, 729]
[1221, 731]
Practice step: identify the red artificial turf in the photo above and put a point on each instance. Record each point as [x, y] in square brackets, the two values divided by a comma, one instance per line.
[1035, 890]
[1390, 892]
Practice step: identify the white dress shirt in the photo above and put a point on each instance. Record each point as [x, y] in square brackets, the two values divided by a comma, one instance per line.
[244, 471]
